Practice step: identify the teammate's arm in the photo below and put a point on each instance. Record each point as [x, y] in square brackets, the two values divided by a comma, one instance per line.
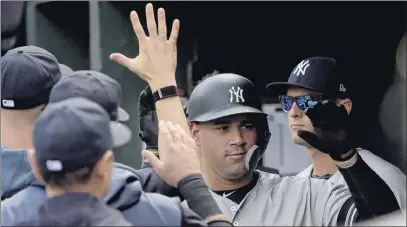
[199, 199]
[370, 194]
[333, 136]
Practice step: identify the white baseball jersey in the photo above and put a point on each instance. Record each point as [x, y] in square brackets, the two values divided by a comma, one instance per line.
[289, 201]
[393, 176]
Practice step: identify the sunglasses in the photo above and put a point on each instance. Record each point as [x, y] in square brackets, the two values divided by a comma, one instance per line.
[303, 102]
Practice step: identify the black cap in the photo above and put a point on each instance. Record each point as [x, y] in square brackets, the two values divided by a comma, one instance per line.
[73, 134]
[92, 85]
[318, 74]
[28, 74]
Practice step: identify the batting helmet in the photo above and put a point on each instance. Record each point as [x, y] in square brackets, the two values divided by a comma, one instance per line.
[230, 94]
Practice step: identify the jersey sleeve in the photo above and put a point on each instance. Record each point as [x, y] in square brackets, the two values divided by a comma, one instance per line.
[393, 176]
[336, 196]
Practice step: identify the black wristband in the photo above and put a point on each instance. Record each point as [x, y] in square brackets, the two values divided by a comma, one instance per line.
[165, 92]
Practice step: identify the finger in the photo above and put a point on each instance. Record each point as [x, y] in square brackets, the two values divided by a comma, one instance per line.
[121, 59]
[185, 136]
[174, 32]
[150, 157]
[310, 138]
[164, 133]
[138, 29]
[151, 25]
[162, 25]
[176, 135]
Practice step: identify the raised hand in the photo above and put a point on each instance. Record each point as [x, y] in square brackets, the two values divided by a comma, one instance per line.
[157, 59]
[178, 158]
[332, 131]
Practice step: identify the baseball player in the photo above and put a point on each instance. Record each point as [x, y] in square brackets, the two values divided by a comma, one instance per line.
[73, 141]
[314, 79]
[27, 75]
[231, 133]
[148, 127]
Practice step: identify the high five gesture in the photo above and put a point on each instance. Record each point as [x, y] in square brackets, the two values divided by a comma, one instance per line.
[157, 59]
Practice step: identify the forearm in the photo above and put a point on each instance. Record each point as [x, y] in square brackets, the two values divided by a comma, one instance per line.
[372, 196]
[196, 193]
[170, 109]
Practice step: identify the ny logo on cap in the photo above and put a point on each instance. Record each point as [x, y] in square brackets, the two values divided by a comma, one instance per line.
[238, 94]
[301, 68]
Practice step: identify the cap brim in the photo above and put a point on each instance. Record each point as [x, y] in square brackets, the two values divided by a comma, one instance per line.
[122, 115]
[280, 88]
[65, 70]
[238, 109]
[121, 133]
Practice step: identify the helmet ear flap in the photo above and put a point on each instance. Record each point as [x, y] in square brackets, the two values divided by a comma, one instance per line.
[263, 132]
[256, 152]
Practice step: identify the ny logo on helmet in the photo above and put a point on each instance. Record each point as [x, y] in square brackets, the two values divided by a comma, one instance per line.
[237, 94]
[301, 68]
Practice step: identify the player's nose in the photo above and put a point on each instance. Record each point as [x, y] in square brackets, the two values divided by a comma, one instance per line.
[295, 111]
[236, 137]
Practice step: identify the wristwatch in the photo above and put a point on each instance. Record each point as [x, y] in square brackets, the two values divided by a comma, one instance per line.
[165, 92]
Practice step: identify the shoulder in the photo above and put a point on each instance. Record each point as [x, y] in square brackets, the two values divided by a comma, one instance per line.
[161, 202]
[17, 207]
[154, 209]
[382, 167]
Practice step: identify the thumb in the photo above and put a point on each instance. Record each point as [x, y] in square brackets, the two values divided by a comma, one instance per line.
[151, 158]
[310, 138]
[121, 59]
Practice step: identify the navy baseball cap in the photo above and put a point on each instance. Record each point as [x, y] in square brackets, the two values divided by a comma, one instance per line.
[73, 134]
[28, 74]
[95, 86]
[319, 74]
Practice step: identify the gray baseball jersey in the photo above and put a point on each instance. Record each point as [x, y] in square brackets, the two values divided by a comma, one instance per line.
[393, 176]
[286, 201]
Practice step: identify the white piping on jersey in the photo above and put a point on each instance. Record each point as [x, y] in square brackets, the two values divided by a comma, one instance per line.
[355, 211]
[350, 215]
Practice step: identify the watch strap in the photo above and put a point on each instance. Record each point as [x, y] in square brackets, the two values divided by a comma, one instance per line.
[165, 92]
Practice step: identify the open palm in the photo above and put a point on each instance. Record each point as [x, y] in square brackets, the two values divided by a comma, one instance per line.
[157, 59]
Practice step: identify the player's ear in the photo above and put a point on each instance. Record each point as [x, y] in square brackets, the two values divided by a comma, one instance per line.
[34, 165]
[347, 103]
[194, 130]
[103, 167]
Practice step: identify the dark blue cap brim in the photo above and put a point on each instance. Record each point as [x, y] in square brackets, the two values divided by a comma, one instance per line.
[122, 115]
[121, 134]
[280, 88]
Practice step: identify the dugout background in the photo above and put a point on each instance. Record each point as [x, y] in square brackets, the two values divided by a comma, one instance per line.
[263, 41]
